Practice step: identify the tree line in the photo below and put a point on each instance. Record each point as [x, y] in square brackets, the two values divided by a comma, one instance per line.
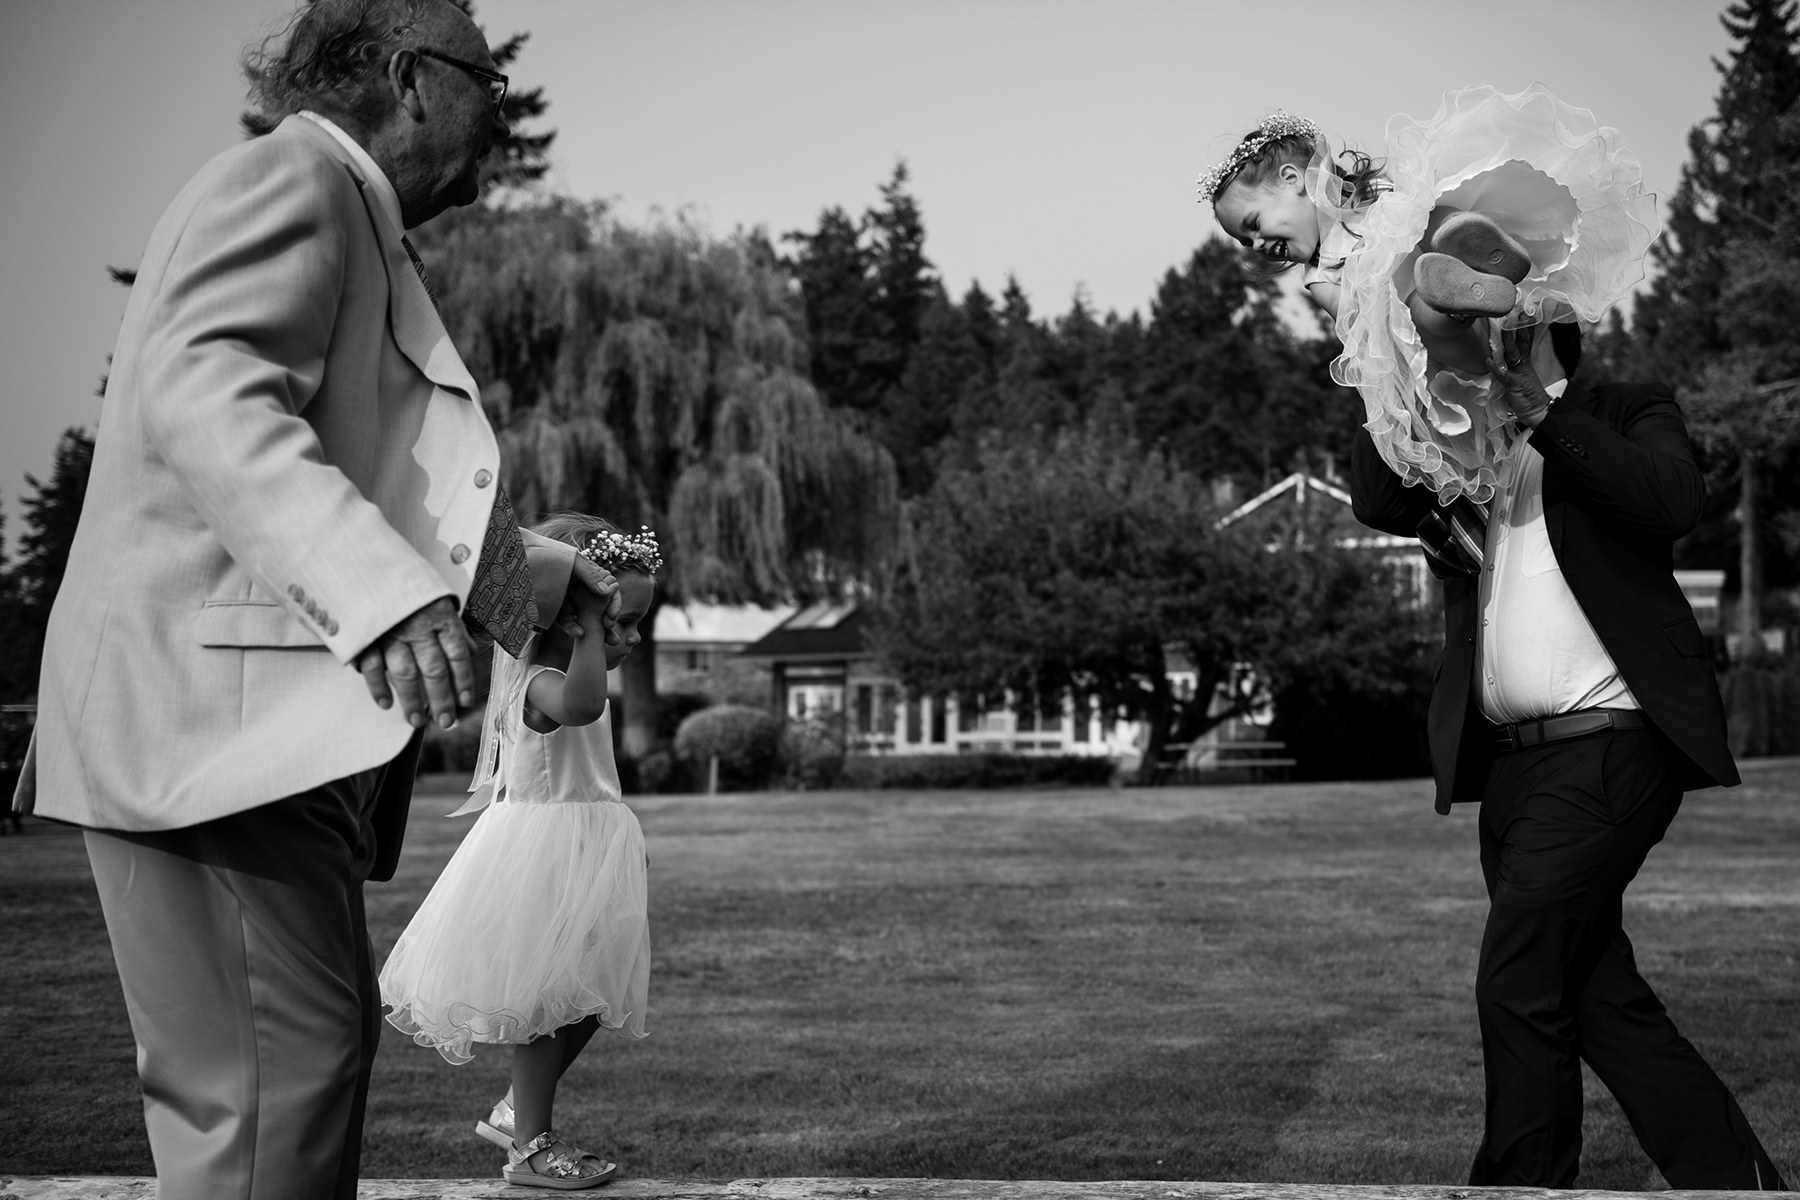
[1035, 504]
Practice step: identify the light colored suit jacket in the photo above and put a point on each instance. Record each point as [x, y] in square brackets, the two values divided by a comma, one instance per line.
[291, 458]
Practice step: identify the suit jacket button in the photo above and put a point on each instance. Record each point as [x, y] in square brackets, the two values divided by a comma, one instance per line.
[331, 627]
[483, 477]
[296, 592]
[459, 554]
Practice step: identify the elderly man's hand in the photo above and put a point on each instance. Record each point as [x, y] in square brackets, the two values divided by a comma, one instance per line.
[426, 662]
[598, 580]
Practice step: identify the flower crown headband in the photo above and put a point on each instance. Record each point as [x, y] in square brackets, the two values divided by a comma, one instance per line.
[624, 551]
[1273, 129]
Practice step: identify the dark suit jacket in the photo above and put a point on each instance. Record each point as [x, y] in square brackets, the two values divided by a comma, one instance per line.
[1620, 485]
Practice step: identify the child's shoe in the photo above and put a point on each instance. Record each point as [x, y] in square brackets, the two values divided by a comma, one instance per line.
[497, 1126]
[1452, 286]
[1483, 246]
[564, 1168]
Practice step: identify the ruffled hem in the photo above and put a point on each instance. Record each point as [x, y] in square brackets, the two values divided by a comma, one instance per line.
[455, 1032]
[1550, 175]
[538, 920]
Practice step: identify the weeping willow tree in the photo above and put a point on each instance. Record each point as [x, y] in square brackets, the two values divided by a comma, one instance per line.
[656, 376]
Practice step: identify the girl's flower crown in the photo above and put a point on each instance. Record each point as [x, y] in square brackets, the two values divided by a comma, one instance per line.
[624, 551]
[1273, 129]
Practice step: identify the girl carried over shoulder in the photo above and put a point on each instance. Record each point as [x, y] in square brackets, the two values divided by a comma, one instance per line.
[1501, 212]
[536, 934]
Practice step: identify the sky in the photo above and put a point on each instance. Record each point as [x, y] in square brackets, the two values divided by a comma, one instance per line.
[1055, 141]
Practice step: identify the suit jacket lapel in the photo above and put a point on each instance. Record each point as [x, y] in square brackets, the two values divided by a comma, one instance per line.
[418, 330]
[1579, 396]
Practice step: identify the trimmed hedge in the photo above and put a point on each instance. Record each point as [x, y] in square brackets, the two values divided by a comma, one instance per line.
[926, 771]
[745, 740]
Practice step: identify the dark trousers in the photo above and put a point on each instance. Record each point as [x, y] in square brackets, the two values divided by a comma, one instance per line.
[1564, 828]
[244, 956]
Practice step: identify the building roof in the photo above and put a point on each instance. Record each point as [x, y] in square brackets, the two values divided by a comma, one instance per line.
[819, 631]
[716, 624]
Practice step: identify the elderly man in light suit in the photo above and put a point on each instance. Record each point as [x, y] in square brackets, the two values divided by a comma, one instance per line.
[294, 506]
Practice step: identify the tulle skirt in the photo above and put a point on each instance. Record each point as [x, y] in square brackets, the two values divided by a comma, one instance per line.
[538, 921]
[1551, 176]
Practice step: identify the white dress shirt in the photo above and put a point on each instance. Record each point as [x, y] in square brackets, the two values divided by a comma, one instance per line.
[385, 195]
[1538, 652]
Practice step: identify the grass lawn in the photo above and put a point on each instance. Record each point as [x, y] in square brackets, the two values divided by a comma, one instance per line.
[1234, 983]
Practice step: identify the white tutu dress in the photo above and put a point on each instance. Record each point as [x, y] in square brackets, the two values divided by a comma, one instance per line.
[1548, 174]
[539, 919]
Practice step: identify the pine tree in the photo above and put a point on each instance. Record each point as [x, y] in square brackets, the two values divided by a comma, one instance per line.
[52, 509]
[1717, 323]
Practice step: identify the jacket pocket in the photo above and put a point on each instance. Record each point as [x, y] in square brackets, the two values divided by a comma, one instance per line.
[1685, 636]
[250, 623]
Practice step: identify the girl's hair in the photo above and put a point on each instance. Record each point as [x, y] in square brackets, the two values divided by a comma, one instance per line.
[1355, 179]
[572, 527]
[603, 542]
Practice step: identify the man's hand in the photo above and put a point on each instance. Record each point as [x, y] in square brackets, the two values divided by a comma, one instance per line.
[1509, 362]
[426, 661]
[600, 582]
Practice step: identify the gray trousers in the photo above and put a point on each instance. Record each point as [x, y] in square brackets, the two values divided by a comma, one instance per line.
[244, 956]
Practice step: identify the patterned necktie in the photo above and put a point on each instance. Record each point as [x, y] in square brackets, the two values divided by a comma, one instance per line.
[500, 600]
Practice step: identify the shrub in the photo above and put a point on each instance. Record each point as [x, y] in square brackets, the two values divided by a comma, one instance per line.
[672, 708]
[658, 771]
[746, 742]
[812, 754]
[926, 771]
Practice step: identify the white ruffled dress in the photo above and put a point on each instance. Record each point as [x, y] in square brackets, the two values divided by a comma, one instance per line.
[1547, 173]
[539, 919]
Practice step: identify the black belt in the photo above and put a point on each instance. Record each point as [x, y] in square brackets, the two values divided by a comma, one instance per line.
[1569, 725]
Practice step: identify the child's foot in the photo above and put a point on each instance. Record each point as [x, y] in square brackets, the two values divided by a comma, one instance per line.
[546, 1161]
[1483, 246]
[1452, 286]
[497, 1126]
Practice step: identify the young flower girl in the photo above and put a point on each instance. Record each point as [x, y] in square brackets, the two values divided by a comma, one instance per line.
[536, 934]
[1501, 212]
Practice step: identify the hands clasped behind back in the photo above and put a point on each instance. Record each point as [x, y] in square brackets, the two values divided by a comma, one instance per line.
[426, 662]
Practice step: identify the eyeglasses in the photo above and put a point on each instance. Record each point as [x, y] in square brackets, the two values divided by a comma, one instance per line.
[496, 82]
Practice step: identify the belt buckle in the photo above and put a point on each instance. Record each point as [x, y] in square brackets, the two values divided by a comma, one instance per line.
[1509, 738]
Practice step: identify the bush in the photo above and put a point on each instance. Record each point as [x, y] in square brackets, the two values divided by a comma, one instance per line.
[746, 742]
[812, 754]
[925, 771]
[672, 708]
[1762, 709]
[658, 771]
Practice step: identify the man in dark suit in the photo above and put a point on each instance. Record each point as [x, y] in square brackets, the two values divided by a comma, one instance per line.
[1576, 702]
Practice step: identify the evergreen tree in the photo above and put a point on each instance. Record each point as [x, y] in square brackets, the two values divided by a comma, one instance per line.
[52, 510]
[1727, 192]
[843, 335]
[1717, 322]
[1226, 386]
